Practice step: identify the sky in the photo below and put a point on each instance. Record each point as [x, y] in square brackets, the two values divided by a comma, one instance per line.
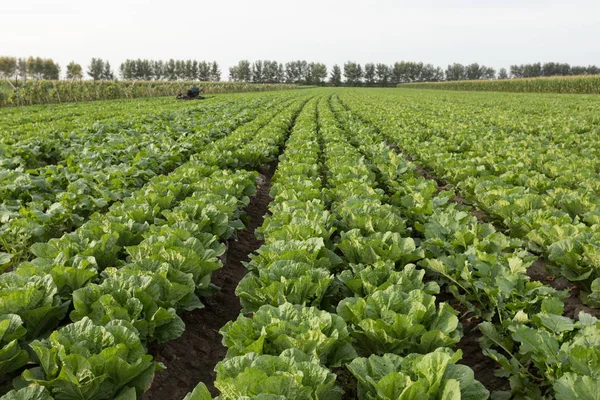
[494, 33]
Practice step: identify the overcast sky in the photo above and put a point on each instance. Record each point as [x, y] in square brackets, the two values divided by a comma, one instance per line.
[496, 33]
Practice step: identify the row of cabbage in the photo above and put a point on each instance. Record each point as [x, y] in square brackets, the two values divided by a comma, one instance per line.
[319, 302]
[125, 275]
[107, 163]
[535, 171]
[544, 354]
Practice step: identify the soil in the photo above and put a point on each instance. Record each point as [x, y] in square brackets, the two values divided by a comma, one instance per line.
[191, 358]
[573, 305]
[473, 357]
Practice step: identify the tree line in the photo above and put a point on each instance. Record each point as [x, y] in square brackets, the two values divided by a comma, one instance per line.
[270, 71]
[32, 68]
[171, 70]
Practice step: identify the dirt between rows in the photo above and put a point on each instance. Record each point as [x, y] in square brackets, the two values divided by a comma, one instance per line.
[191, 358]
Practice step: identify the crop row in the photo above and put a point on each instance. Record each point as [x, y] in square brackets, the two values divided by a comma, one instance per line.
[44, 202]
[327, 287]
[541, 183]
[335, 284]
[128, 273]
[522, 322]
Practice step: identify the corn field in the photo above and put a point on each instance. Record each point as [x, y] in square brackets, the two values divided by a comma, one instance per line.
[51, 92]
[588, 84]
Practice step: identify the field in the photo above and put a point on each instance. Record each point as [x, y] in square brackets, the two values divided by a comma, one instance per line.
[311, 244]
[67, 91]
[577, 84]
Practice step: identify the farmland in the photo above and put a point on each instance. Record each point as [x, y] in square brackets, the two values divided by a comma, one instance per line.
[311, 244]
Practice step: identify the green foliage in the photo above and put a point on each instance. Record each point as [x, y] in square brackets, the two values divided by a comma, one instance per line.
[564, 84]
[85, 361]
[291, 375]
[391, 320]
[433, 375]
[272, 330]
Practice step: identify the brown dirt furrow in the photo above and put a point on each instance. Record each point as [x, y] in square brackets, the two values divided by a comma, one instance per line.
[191, 358]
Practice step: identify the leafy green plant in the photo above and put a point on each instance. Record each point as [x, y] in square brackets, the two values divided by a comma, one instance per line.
[391, 320]
[434, 375]
[291, 375]
[271, 330]
[12, 356]
[85, 361]
[284, 281]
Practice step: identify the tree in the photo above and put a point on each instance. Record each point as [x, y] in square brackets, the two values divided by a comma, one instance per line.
[22, 69]
[456, 72]
[336, 76]
[204, 71]
[516, 71]
[370, 74]
[215, 72]
[170, 70]
[74, 71]
[532, 70]
[318, 73]
[8, 67]
[107, 72]
[382, 75]
[297, 72]
[35, 67]
[280, 73]
[430, 73]
[353, 73]
[257, 72]
[241, 72]
[270, 71]
[158, 68]
[96, 69]
[502, 74]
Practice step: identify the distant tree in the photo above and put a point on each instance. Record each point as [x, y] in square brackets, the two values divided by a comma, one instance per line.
[297, 72]
[370, 74]
[473, 71]
[158, 67]
[353, 73]
[270, 71]
[74, 71]
[336, 76]
[242, 72]
[257, 72]
[8, 67]
[318, 73]
[456, 72]
[593, 70]
[35, 67]
[107, 72]
[382, 75]
[170, 70]
[280, 73]
[22, 69]
[532, 70]
[215, 72]
[189, 71]
[96, 69]
[430, 73]
[517, 71]
[502, 74]
[203, 71]
[180, 70]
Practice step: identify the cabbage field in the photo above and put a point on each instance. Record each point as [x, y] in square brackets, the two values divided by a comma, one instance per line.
[306, 244]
